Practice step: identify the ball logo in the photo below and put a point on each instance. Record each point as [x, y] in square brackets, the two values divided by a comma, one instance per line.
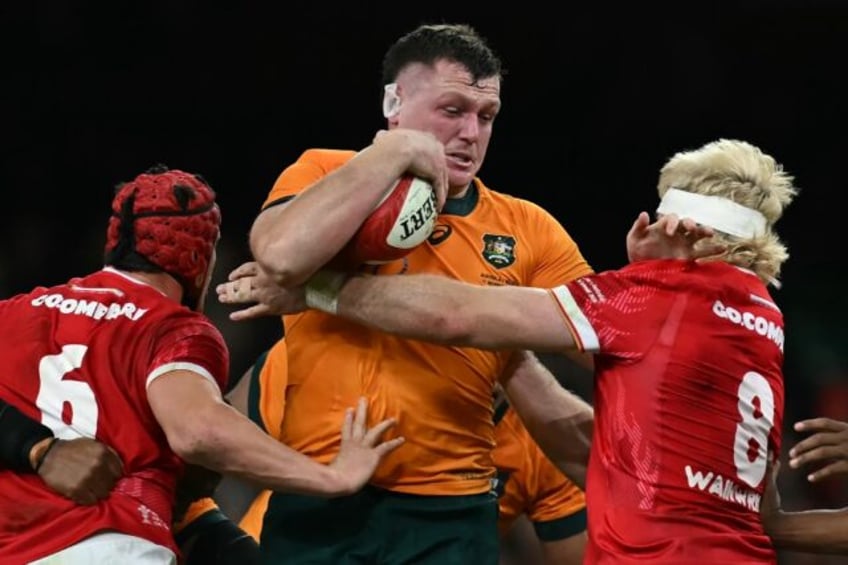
[418, 217]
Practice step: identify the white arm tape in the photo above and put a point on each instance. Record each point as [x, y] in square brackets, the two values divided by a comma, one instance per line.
[322, 290]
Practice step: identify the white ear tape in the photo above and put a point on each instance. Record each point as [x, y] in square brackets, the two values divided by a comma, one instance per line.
[391, 100]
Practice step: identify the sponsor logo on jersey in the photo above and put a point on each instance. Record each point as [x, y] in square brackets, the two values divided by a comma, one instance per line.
[440, 233]
[150, 518]
[499, 250]
[757, 324]
[90, 308]
[722, 487]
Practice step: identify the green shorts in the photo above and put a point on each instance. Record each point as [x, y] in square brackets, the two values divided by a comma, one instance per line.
[381, 527]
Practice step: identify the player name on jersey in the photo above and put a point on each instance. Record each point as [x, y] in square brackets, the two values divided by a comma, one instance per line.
[723, 487]
[91, 308]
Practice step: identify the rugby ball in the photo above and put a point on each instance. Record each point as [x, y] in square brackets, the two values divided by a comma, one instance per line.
[401, 221]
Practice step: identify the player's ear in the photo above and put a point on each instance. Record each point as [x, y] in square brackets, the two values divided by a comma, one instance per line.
[391, 103]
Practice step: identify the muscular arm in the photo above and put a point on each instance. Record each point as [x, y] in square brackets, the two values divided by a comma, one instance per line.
[239, 395]
[813, 531]
[293, 241]
[202, 429]
[442, 310]
[233, 489]
[559, 421]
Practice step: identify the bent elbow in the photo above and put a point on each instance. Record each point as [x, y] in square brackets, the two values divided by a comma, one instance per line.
[189, 447]
[275, 260]
[194, 442]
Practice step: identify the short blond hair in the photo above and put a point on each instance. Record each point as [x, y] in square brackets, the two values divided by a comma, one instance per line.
[740, 172]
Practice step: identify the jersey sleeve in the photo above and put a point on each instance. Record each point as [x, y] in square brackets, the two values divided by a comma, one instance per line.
[189, 343]
[559, 260]
[558, 508]
[311, 166]
[614, 313]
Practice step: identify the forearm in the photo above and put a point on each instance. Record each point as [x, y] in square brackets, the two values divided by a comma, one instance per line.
[295, 240]
[814, 531]
[559, 421]
[222, 440]
[408, 306]
[442, 310]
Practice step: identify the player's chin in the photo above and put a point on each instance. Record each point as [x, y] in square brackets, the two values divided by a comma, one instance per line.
[460, 176]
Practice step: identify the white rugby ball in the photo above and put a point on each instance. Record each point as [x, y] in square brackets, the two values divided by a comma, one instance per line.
[400, 222]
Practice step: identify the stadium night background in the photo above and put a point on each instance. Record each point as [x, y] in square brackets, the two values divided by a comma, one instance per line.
[597, 96]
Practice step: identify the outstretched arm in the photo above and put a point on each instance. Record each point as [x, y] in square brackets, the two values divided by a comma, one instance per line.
[811, 531]
[438, 309]
[219, 438]
[426, 307]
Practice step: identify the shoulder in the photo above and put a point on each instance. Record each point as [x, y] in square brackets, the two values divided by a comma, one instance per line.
[326, 159]
[311, 165]
[516, 206]
[184, 323]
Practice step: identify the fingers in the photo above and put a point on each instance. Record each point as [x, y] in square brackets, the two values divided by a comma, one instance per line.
[360, 419]
[239, 291]
[441, 187]
[251, 313]
[813, 454]
[809, 444]
[374, 434]
[101, 487]
[114, 465]
[820, 425]
[643, 220]
[84, 497]
[838, 440]
[835, 468]
[241, 285]
[347, 424]
[389, 446]
[689, 228]
[249, 269]
[671, 224]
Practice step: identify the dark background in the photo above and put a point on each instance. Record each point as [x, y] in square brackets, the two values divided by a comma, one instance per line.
[597, 97]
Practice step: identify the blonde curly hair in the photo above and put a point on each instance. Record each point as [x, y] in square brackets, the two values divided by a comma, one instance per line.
[742, 173]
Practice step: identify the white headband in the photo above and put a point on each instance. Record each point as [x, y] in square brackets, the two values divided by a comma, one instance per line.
[717, 212]
[391, 100]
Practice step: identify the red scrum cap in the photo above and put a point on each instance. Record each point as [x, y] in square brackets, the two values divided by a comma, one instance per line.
[165, 220]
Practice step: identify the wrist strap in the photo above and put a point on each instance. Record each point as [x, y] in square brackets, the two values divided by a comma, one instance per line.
[18, 434]
[44, 453]
[322, 290]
